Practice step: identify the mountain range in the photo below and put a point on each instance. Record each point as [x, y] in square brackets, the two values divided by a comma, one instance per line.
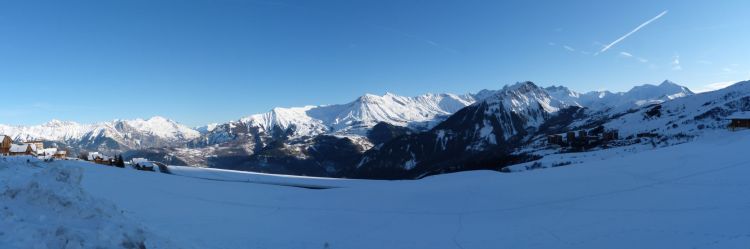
[392, 136]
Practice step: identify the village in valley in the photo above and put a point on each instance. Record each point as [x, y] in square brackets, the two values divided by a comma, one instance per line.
[36, 148]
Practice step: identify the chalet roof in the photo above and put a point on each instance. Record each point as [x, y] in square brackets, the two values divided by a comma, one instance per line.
[18, 148]
[739, 115]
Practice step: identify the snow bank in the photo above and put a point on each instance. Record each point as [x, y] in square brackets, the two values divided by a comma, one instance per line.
[44, 206]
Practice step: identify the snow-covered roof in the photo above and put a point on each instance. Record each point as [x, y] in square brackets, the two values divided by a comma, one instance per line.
[18, 148]
[48, 151]
[138, 160]
[147, 164]
[739, 115]
[93, 155]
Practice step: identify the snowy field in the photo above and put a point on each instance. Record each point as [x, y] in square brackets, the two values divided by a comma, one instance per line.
[692, 195]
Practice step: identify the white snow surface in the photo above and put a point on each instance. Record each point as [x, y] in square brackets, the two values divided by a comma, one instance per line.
[689, 195]
[43, 205]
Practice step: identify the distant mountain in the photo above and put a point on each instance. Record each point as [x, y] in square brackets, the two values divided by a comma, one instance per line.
[482, 133]
[288, 134]
[391, 136]
[114, 136]
[510, 126]
[688, 116]
[355, 117]
[605, 100]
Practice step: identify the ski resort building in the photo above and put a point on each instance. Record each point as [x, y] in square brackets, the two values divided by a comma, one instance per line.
[60, 154]
[739, 120]
[555, 139]
[96, 157]
[5, 143]
[37, 144]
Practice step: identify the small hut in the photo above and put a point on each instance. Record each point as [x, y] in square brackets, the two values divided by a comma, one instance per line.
[739, 120]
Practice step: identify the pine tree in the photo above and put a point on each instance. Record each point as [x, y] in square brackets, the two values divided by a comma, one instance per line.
[119, 162]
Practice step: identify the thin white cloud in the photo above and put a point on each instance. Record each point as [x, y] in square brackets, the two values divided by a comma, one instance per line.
[731, 69]
[551, 43]
[629, 55]
[569, 48]
[676, 63]
[608, 46]
[715, 86]
[416, 38]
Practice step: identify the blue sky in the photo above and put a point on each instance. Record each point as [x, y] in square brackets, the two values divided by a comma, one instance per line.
[211, 61]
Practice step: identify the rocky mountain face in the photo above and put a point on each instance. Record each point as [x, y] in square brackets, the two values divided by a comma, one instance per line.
[286, 136]
[661, 119]
[479, 136]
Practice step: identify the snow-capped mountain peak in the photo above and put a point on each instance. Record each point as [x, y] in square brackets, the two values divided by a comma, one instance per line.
[525, 97]
[620, 101]
[155, 131]
[163, 127]
[359, 115]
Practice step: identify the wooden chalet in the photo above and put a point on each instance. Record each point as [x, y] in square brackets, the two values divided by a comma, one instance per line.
[60, 154]
[99, 158]
[5, 143]
[739, 121]
[20, 149]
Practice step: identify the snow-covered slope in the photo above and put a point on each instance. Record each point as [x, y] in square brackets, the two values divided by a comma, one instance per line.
[683, 196]
[45, 206]
[687, 116]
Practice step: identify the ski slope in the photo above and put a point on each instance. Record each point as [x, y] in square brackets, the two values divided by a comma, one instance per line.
[692, 195]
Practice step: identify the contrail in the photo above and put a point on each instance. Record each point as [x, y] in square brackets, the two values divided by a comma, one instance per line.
[631, 32]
